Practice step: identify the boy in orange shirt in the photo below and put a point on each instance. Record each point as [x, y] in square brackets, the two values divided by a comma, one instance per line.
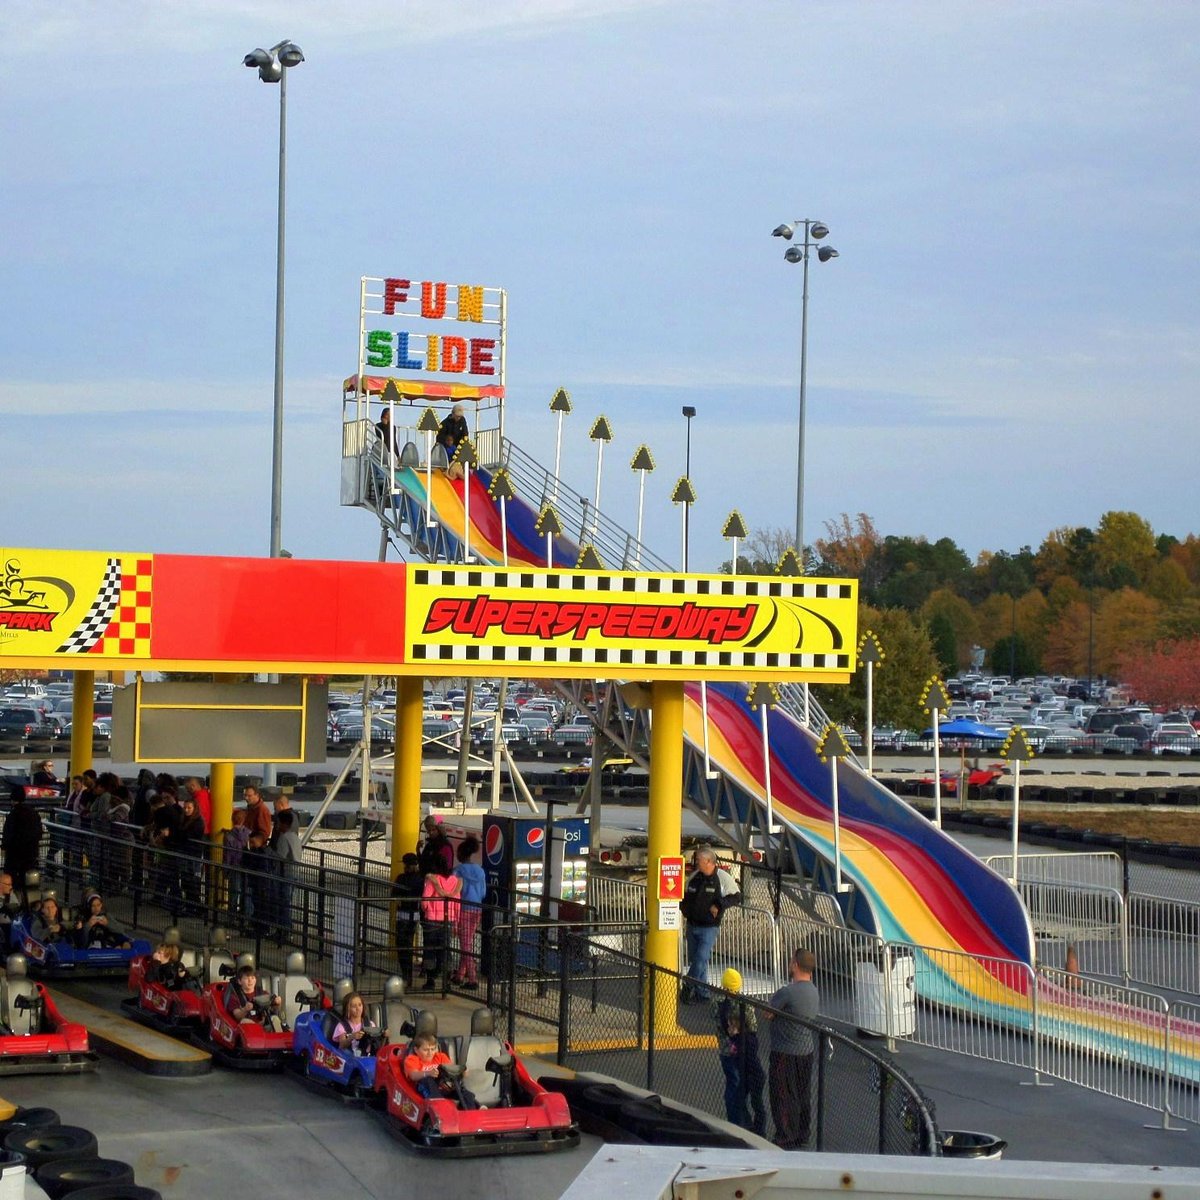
[423, 1069]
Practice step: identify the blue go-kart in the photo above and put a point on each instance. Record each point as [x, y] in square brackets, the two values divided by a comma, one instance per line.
[63, 959]
[348, 1074]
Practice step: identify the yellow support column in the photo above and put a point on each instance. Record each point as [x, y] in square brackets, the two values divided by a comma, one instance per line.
[665, 830]
[406, 774]
[83, 712]
[220, 788]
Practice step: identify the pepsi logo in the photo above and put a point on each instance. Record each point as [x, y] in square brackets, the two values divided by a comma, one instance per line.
[535, 838]
[493, 844]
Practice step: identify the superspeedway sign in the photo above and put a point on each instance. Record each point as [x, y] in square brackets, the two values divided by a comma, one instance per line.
[650, 625]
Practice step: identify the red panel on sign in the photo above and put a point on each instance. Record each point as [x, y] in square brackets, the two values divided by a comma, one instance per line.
[670, 878]
[277, 610]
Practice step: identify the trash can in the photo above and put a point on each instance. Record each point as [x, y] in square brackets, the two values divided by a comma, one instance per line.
[886, 1008]
[961, 1143]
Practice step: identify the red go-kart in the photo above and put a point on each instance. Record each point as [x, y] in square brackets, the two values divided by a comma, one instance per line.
[516, 1115]
[259, 1044]
[179, 1012]
[36, 1039]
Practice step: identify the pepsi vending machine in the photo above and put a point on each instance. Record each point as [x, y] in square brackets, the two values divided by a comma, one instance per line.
[514, 861]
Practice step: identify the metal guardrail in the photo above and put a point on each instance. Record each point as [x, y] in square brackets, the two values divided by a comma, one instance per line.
[1101, 869]
[618, 1014]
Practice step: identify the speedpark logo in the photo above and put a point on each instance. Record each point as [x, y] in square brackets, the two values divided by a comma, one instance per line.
[31, 602]
[551, 620]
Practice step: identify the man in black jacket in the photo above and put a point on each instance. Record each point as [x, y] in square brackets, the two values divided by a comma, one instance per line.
[702, 907]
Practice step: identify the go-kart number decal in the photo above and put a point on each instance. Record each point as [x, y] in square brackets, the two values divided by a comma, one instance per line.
[33, 949]
[327, 1059]
[155, 1000]
[408, 1110]
[224, 1029]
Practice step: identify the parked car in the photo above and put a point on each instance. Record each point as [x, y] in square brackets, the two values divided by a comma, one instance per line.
[17, 724]
[1175, 739]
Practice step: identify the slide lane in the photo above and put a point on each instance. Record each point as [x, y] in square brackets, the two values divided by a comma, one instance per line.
[525, 545]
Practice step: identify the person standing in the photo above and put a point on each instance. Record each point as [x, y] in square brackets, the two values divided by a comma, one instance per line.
[258, 816]
[436, 854]
[702, 907]
[737, 1048]
[793, 1046]
[474, 888]
[44, 776]
[22, 836]
[203, 798]
[288, 855]
[407, 889]
[450, 433]
[439, 914]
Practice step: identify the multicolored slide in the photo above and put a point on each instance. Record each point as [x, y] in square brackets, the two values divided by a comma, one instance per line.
[921, 887]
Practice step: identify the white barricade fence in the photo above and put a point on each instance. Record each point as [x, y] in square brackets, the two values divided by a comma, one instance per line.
[1104, 1037]
[1183, 1041]
[616, 899]
[1089, 920]
[1099, 868]
[1164, 943]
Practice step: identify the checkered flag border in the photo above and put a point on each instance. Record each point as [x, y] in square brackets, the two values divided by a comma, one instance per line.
[100, 613]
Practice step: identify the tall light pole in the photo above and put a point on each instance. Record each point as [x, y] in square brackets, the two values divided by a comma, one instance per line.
[272, 66]
[814, 231]
[688, 412]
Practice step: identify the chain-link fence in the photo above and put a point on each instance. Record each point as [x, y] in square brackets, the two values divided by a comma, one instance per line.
[800, 1083]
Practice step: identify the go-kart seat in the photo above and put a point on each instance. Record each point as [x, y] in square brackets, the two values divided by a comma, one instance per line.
[486, 1061]
[216, 955]
[295, 988]
[410, 456]
[395, 1018]
[20, 1001]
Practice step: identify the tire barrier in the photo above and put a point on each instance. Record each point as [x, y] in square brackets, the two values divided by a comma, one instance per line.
[69, 1175]
[41, 1146]
[29, 1118]
[116, 1191]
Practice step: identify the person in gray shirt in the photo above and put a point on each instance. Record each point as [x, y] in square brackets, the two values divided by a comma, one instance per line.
[793, 1045]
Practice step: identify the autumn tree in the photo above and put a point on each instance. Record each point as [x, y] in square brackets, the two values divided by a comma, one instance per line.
[851, 548]
[1168, 582]
[1167, 673]
[1125, 620]
[760, 553]
[1125, 549]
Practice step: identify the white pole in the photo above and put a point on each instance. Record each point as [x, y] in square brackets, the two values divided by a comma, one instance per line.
[466, 513]
[937, 771]
[704, 718]
[599, 466]
[557, 454]
[766, 750]
[550, 550]
[683, 536]
[837, 824]
[641, 503]
[428, 483]
[1016, 814]
[733, 566]
[807, 708]
[504, 531]
[870, 718]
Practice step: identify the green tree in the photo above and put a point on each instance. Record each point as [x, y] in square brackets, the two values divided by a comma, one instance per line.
[1014, 656]
[909, 661]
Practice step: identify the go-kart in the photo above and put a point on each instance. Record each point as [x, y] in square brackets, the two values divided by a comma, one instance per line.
[516, 1115]
[264, 1043]
[35, 1039]
[65, 960]
[348, 1074]
[175, 1011]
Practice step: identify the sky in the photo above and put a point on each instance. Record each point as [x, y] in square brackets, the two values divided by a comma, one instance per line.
[1007, 342]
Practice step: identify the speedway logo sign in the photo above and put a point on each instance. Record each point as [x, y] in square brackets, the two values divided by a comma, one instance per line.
[658, 626]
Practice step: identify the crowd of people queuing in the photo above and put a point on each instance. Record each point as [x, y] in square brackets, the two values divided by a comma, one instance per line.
[123, 827]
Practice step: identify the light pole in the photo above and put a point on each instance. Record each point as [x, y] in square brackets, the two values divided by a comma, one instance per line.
[272, 66]
[814, 231]
[688, 412]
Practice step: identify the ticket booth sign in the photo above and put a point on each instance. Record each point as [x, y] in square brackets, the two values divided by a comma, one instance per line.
[670, 879]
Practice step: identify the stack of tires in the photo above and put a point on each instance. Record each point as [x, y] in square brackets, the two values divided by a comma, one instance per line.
[65, 1160]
